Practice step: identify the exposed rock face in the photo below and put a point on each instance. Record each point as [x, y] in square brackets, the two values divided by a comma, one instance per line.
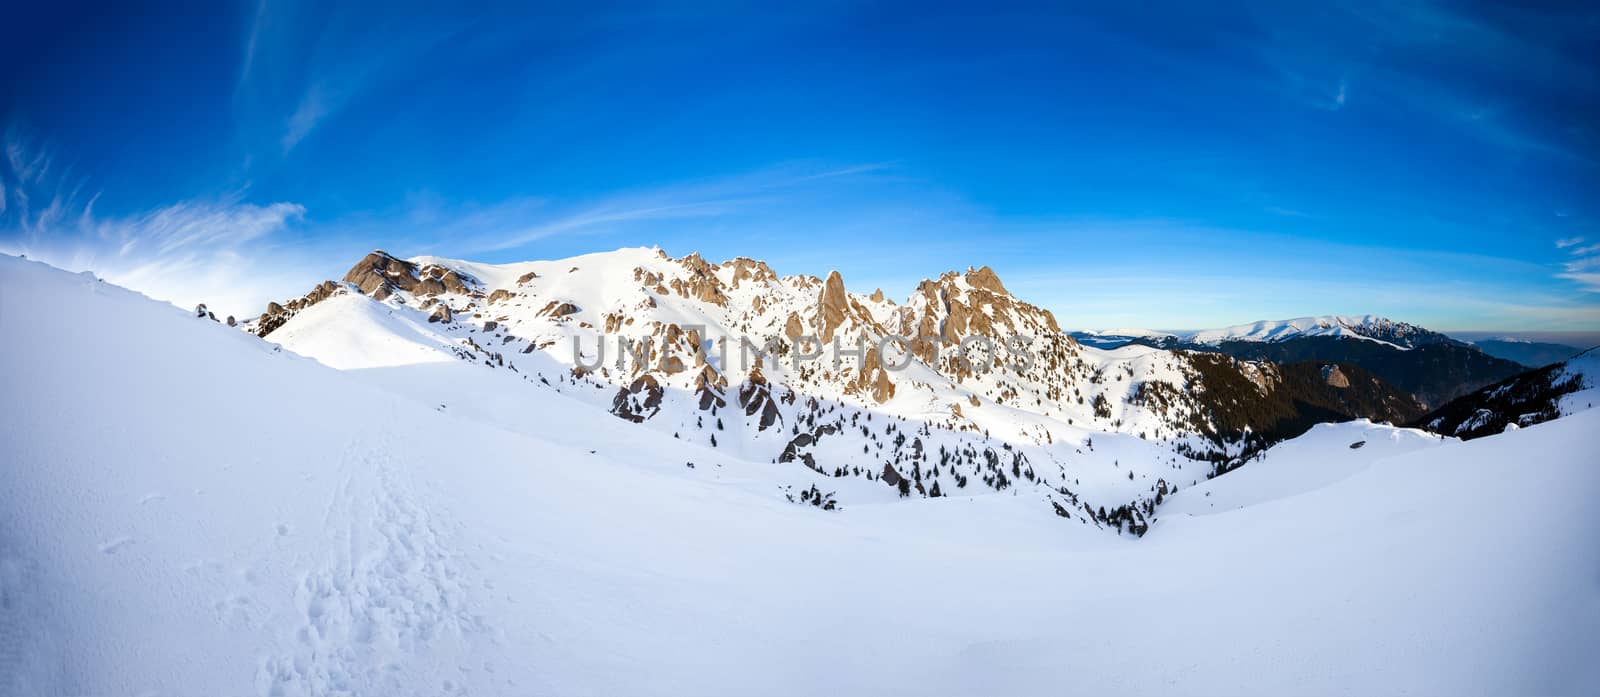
[708, 386]
[276, 315]
[755, 395]
[379, 275]
[441, 314]
[1335, 377]
[524, 278]
[831, 306]
[985, 279]
[793, 328]
[796, 448]
[873, 379]
[558, 308]
[638, 401]
[749, 270]
[702, 283]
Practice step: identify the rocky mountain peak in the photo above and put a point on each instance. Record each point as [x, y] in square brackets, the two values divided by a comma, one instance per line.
[985, 278]
[379, 274]
[832, 304]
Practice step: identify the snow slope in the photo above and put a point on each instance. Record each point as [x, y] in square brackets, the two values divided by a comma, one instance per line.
[1584, 371]
[1324, 455]
[188, 510]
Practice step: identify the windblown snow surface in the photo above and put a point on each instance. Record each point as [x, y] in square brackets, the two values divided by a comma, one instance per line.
[185, 510]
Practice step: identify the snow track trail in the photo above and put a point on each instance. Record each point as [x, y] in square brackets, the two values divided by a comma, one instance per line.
[389, 589]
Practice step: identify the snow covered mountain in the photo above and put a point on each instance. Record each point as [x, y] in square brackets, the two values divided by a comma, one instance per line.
[797, 369]
[1364, 327]
[1432, 367]
[1533, 397]
[1399, 335]
[190, 510]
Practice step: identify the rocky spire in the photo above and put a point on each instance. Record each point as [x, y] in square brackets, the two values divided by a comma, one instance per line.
[831, 306]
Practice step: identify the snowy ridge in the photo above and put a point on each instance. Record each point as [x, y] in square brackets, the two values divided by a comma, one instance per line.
[1539, 395]
[1399, 335]
[1365, 327]
[1094, 435]
[1582, 372]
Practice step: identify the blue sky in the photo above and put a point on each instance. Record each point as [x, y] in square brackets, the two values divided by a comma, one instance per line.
[1166, 166]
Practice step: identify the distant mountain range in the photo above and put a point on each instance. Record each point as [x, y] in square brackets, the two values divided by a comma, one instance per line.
[1533, 354]
[1429, 365]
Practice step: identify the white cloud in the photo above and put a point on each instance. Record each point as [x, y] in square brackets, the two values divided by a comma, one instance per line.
[186, 253]
[304, 63]
[1586, 281]
[311, 110]
[519, 222]
[1583, 264]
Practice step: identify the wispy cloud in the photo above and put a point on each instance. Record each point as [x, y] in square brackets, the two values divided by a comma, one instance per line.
[523, 221]
[304, 62]
[1582, 265]
[305, 118]
[204, 250]
[1443, 60]
[186, 253]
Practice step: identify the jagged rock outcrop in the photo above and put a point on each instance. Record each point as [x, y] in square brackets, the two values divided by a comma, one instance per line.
[379, 275]
[832, 304]
[792, 328]
[747, 270]
[638, 401]
[797, 446]
[872, 379]
[276, 315]
[702, 283]
[708, 387]
[1335, 377]
[755, 396]
[558, 308]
